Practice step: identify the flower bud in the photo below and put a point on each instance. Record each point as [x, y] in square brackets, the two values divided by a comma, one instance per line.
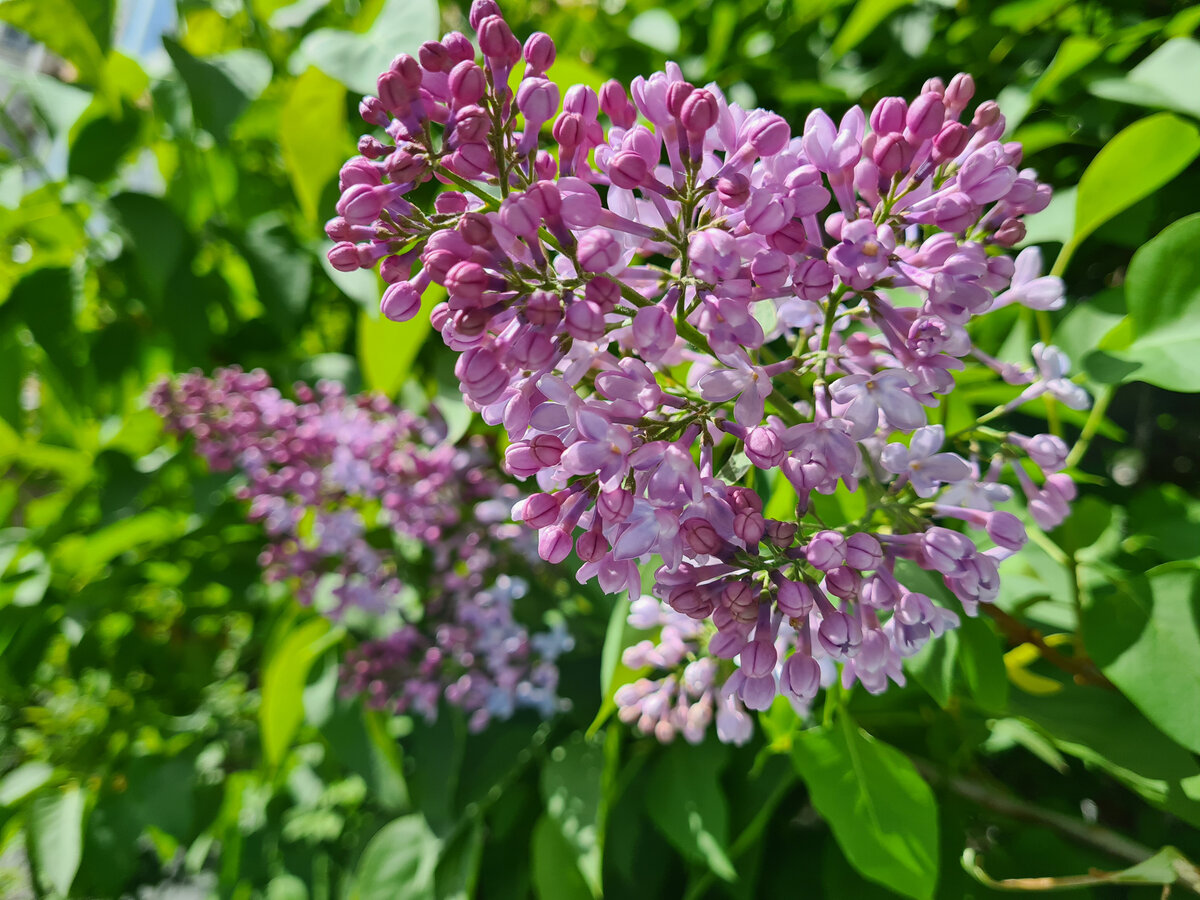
[598, 251]
[467, 83]
[889, 115]
[400, 301]
[699, 111]
[585, 321]
[539, 53]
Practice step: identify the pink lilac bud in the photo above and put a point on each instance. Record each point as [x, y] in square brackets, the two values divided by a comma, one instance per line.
[794, 599]
[598, 251]
[924, 118]
[539, 53]
[400, 301]
[889, 115]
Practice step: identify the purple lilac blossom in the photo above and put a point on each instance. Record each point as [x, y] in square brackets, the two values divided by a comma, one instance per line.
[812, 309]
[338, 483]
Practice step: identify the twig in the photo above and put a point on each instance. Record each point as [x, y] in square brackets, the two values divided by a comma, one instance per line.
[1083, 670]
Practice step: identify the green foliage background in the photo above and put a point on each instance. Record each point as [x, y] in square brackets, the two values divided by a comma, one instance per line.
[168, 724]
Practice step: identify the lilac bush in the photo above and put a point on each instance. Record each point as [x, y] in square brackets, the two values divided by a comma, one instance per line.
[346, 487]
[685, 316]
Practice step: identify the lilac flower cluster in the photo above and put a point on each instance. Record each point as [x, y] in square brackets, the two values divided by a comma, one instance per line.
[668, 301]
[340, 483]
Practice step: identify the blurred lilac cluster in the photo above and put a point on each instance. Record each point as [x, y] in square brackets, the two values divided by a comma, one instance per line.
[341, 484]
[679, 301]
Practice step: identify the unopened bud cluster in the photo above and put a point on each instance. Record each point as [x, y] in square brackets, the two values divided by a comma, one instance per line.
[681, 312]
[345, 487]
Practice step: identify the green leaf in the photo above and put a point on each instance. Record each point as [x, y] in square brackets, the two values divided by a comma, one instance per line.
[356, 60]
[286, 887]
[67, 28]
[1162, 291]
[282, 269]
[313, 137]
[157, 237]
[1133, 165]
[23, 781]
[1075, 52]
[387, 350]
[56, 826]
[687, 804]
[1145, 636]
[220, 87]
[458, 866]
[866, 16]
[282, 708]
[571, 788]
[883, 814]
[100, 145]
[398, 862]
[1163, 80]
[554, 875]
[656, 28]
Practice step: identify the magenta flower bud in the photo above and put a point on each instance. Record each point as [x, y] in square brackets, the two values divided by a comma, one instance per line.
[653, 332]
[863, 552]
[934, 85]
[614, 102]
[467, 281]
[959, 93]
[693, 602]
[1006, 530]
[471, 124]
[1010, 233]
[372, 111]
[627, 169]
[924, 118]
[435, 57]
[531, 349]
[372, 147]
[591, 545]
[344, 256]
[467, 83]
[727, 644]
[538, 510]
[986, 115]
[758, 658]
[763, 447]
[409, 70]
[839, 635]
[750, 527]
[701, 537]
[741, 599]
[546, 199]
[1048, 451]
[585, 321]
[396, 268]
[496, 39]
[734, 190]
[520, 216]
[394, 94]
[812, 279]
[539, 53]
[537, 99]
[482, 9]
[450, 203]
[769, 135]
[476, 229]
[843, 581]
[481, 375]
[758, 693]
[361, 203]
[400, 301]
[699, 111]
[826, 550]
[889, 115]
[543, 309]
[569, 131]
[582, 100]
[892, 154]
[615, 505]
[770, 269]
[554, 544]
[604, 292]
[794, 599]
[459, 46]
[404, 166]
[950, 141]
[358, 171]
[598, 251]
[781, 534]
[801, 677]
[677, 94]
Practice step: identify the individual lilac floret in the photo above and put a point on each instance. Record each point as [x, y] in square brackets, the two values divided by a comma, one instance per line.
[921, 463]
[339, 483]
